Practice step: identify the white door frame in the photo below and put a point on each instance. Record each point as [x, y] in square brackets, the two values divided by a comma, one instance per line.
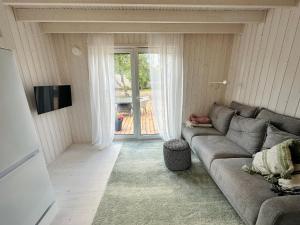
[134, 51]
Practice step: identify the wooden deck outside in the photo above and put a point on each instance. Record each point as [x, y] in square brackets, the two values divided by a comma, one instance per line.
[147, 122]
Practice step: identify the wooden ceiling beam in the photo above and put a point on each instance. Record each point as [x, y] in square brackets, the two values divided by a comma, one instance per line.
[140, 16]
[172, 3]
[140, 28]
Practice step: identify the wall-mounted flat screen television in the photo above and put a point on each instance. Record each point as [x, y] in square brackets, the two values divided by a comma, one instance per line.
[49, 98]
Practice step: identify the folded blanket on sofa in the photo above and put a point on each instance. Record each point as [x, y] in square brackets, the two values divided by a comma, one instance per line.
[196, 119]
[285, 191]
[294, 182]
[288, 186]
[191, 124]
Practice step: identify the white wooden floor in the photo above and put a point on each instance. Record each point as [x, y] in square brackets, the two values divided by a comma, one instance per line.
[79, 178]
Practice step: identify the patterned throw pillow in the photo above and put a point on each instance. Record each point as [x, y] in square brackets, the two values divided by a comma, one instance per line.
[276, 161]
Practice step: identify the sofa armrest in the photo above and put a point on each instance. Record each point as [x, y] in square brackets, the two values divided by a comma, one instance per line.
[283, 210]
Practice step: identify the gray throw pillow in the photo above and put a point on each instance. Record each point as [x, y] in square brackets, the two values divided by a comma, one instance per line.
[282, 122]
[220, 117]
[244, 110]
[248, 133]
[276, 136]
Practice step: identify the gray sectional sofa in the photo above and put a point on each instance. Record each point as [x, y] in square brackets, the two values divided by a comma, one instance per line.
[239, 132]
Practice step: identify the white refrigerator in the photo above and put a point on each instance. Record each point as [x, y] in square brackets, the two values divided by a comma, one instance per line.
[25, 189]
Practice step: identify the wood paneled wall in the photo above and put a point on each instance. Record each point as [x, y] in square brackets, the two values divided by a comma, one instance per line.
[265, 66]
[139, 40]
[5, 32]
[38, 66]
[206, 58]
[75, 70]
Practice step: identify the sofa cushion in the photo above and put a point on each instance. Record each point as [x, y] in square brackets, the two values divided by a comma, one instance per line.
[188, 133]
[247, 132]
[209, 148]
[244, 110]
[221, 116]
[276, 136]
[282, 122]
[245, 192]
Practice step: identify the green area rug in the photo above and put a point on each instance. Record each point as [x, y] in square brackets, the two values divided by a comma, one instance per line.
[142, 191]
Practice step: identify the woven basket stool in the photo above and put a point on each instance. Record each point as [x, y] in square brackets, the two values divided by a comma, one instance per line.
[177, 155]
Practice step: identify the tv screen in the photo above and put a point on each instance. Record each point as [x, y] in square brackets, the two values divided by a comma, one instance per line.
[49, 98]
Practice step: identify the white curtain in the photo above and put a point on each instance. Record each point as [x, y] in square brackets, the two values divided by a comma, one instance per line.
[166, 75]
[101, 80]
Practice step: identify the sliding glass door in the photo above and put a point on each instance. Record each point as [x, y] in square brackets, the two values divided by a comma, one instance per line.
[134, 112]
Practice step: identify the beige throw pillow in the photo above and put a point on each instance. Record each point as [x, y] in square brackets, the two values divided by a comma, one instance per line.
[276, 161]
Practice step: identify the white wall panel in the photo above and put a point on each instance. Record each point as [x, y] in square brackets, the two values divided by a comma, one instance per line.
[265, 68]
[74, 69]
[130, 40]
[38, 66]
[206, 59]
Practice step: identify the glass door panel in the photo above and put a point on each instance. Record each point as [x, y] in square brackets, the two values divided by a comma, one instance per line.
[147, 118]
[124, 123]
[133, 94]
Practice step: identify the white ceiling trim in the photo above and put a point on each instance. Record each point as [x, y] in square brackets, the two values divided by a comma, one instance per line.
[140, 28]
[139, 16]
[163, 3]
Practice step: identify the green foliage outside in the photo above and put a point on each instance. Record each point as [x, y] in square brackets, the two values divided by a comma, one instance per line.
[123, 68]
[144, 72]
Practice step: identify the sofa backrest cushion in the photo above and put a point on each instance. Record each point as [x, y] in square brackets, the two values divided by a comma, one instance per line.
[248, 133]
[244, 110]
[220, 117]
[282, 122]
[276, 136]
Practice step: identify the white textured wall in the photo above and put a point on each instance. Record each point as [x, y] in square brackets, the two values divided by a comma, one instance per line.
[265, 68]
